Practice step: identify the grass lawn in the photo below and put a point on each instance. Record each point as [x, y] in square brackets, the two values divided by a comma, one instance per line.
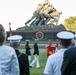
[42, 60]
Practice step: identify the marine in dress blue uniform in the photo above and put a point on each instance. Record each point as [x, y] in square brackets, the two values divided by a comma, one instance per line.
[28, 48]
[22, 58]
[36, 55]
[54, 61]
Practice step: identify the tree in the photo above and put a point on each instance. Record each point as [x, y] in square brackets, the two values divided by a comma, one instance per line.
[70, 23]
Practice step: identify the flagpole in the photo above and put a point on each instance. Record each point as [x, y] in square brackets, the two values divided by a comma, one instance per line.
[10, 31]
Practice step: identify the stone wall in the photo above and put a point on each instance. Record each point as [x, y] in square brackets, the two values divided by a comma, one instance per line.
[36, 34]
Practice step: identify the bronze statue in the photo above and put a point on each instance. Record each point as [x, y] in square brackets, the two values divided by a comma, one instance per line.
[48, 9]
[36, 15]
[43, 14]
[55, 16]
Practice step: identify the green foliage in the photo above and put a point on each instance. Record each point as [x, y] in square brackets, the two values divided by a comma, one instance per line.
[70, 23]
[42, 60]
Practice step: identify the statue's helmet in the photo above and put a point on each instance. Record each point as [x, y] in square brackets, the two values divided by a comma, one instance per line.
[60, 12]
[46, 2]
[39, 4]
[50, 5]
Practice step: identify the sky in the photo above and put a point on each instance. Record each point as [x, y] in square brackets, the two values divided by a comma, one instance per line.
[17, 12]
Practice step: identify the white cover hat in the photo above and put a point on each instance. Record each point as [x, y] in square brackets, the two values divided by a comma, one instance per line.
[15, 38]
[65, 35]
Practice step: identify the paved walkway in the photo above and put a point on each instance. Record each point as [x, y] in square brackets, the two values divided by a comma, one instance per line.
[41, 46]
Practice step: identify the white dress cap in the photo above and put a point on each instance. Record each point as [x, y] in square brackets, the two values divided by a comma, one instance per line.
[27, 40]
[15, 38]
[65, 35]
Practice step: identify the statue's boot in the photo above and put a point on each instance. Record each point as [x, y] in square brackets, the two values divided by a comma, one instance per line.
[35, 23]
[47, 19]
[41, 20]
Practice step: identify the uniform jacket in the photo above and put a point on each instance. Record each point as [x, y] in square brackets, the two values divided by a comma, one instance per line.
[8, 61]
[69, 62]
[54, 62]
[27, 49]
[23, 63]
[36, 49]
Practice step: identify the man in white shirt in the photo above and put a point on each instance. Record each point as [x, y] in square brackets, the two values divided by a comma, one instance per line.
[54, 61]
[8, 59]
